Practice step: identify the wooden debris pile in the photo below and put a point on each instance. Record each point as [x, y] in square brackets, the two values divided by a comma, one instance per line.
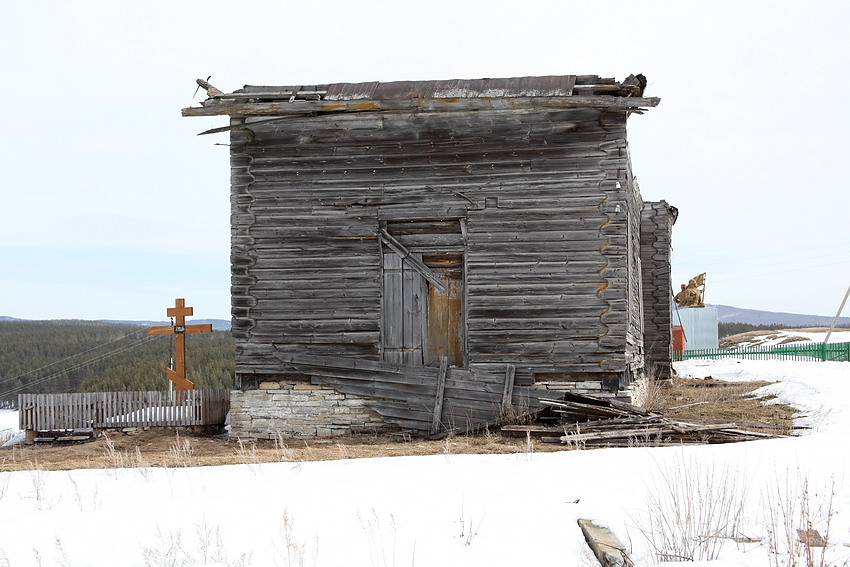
[603, 422]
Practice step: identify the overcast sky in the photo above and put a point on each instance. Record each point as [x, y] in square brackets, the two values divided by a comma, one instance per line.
[112, 206]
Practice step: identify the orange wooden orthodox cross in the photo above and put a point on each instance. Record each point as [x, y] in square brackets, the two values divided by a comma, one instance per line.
[180, 329]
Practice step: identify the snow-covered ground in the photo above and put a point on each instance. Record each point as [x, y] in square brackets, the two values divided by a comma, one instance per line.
[8, 426]
[470, 510]
[791, 336]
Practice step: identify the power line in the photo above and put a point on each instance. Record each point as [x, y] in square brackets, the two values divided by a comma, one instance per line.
[785, 252]
[139, 342]
[762, 274]
[3, 381]
[734, 266]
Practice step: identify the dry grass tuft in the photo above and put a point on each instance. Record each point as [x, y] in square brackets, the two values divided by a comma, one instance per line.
[716, 400]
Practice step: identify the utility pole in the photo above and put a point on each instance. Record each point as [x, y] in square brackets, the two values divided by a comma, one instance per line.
[837, 315]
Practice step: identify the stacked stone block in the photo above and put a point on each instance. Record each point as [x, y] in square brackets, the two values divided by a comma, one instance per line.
[299, 409]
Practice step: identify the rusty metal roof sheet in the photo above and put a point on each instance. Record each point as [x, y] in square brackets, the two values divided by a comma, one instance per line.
[554, 85]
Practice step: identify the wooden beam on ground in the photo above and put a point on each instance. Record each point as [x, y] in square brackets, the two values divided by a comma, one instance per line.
[605, 545]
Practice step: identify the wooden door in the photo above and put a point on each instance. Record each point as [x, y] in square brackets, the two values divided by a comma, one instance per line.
[405, 296]
[422, 323]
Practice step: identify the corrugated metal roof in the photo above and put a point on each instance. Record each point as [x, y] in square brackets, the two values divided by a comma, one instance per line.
[455, 88]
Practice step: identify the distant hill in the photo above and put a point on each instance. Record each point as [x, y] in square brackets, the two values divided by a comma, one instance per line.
[728, 314]
[217, 324]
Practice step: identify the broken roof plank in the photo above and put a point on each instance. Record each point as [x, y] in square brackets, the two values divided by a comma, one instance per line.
[215, 107]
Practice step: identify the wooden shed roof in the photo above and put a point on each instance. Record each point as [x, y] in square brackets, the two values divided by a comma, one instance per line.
[552, 90]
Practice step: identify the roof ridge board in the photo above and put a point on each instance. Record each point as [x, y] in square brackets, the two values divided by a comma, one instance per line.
[281, 88]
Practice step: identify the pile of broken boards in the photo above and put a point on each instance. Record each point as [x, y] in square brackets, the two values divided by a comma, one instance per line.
[589, 421]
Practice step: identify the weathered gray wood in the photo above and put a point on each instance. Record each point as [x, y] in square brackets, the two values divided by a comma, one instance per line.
[411, 260]
[439, 398]
[508, 392]
[353, 363]
[606, 547]
[392, 309]
[109, 410]
[536, 193]
[412, 314]
[421, 105]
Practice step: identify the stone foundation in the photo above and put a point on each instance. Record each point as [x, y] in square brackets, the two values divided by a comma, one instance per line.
[647, 390]
[299, 409]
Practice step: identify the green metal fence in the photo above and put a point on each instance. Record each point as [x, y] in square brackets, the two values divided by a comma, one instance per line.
[839, 352]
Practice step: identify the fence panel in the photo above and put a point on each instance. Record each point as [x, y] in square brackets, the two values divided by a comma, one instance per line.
[836, 352]
[112, 410]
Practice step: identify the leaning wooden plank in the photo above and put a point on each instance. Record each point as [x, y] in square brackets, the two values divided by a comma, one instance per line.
[438, 401]
[508, 392]
[485, 390]
[354, 363]
[375, 390]
[405, 410]
[365, 376]
[621, 405]
[411, 261]
[606, 547]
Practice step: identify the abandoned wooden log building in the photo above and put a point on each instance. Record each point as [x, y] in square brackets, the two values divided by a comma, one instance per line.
[431, 255]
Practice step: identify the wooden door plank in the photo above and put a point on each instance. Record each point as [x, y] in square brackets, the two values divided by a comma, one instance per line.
[413, 311]
[393, 308]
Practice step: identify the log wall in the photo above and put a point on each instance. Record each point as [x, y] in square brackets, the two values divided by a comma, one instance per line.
[549, 212]
[657, 221]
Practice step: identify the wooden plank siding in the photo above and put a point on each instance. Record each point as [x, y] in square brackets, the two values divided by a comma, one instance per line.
[536, 197]
[111, 410]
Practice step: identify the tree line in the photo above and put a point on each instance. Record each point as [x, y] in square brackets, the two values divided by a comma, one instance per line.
[88, 356]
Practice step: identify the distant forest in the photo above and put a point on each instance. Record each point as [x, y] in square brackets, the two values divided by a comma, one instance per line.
[88, 356]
